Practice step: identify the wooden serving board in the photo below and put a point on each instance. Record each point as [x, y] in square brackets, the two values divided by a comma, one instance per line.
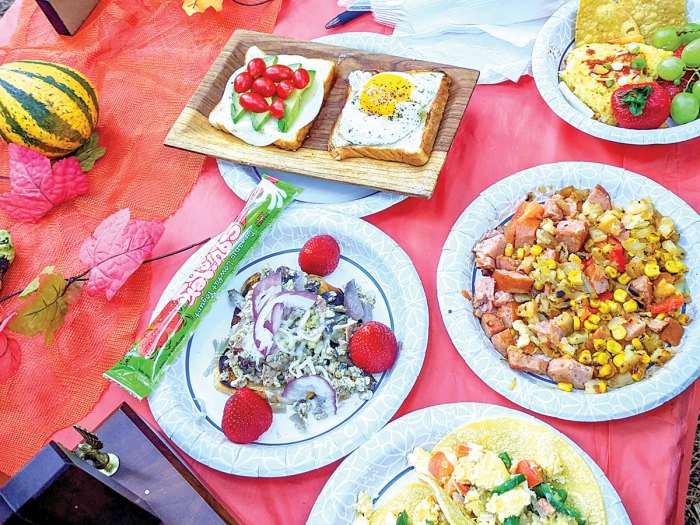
[193, 132]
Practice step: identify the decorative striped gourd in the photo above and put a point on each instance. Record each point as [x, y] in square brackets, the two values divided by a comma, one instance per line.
[49, 108]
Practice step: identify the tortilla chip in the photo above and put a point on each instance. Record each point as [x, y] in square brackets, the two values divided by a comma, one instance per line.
[600, 21]
[651, 15]
[525, 439]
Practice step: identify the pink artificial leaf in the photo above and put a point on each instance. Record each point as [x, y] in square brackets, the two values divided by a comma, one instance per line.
[116, 250]
[37, 187]
[10, 353]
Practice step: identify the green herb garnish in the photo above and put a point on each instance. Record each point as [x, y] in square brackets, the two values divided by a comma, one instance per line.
[402, 519]
[638, 63]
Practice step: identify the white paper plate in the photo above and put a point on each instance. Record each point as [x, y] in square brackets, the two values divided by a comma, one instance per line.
[457, 271]
[318, 193]
[380, 468]
[555, 40]
[189, 409]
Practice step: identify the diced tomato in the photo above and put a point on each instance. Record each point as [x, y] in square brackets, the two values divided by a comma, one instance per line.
[461, 487]
[462, 450]
[587, 262]
[532, 472]
[440, 467]
[617, 255]
[669, 304]
[605, 296]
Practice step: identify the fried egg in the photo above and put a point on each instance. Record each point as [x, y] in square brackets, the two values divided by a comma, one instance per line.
[386, 108]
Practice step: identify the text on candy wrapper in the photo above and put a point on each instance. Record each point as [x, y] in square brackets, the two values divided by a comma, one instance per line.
[200, 277]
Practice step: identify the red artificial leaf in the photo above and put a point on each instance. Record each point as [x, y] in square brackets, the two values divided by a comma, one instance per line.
[37, 187]
[10, 353]
[44, 308]
[116, 249]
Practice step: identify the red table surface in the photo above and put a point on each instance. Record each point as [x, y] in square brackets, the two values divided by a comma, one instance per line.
[507, 128]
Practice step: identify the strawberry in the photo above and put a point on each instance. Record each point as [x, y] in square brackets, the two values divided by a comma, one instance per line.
[641, 106]
[373, 347]
[246, 416]
[319, 255]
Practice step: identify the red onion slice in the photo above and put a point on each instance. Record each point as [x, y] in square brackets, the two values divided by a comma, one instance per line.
[266, 288]
[352, 303]
[270, 317]
[299, 389]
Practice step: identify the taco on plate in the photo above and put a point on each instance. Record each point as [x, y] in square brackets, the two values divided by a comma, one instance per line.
[510, 471]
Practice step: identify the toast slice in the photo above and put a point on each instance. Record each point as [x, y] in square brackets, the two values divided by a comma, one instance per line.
[326, 72]
[417, 152]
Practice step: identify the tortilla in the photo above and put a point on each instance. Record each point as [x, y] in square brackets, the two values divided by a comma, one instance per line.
[651, 15]
[527, 440]
[407, 500]
[600, 21]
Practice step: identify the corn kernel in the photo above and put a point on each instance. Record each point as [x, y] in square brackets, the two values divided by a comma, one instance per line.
[613, 347]
[560, 275]
[595, 303]
[593, 318]
[619, 360]
[607, 248]
[604, 370]
[601, 358]
[566, 387]
[599, 344]
[508, 252]
[638, 375]
[683, 319]
[536, 250]
[637, 344]
[601, 387]
[520, 253]
[604, 308]
[590, 326]
[652, 270]
[630, 306]
[652, 237]
[575, 277]
[539, 286]
[575, 258]
[585, 357]
[619, 332]
[620, 295]
[645, 358]
[661, 317]
[614, 307]
[577, 323]
[551, 264]
[611, 272]
[624, 278]
[673, 266]
[572, 304]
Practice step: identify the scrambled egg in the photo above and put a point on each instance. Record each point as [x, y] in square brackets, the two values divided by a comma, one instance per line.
[426, 512]
[594, 71]
[509, 503]
[487, 472]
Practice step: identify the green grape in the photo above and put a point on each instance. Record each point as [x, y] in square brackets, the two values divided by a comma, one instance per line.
[684, 108]
[666, 38]
[691, 54]
[689, 32]
[671, 68]
[696, 91]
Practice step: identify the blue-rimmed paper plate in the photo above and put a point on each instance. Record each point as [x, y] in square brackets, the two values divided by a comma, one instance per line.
[380, 467]
[457, 272]
[188, 408]
[555, 40]
[321, 193]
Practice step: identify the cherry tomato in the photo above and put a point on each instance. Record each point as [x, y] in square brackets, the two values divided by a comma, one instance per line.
[532, 472]
[285, 88]
[256, 67]
[264, 86]
[277, 108]
[279, 72]
[301, 78]
[242, 82]
[254, 102]
[440, 467]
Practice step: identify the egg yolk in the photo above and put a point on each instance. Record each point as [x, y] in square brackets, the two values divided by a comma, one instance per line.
[383, 91]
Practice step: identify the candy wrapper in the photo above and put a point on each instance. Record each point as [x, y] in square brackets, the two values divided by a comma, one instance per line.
[146, 362]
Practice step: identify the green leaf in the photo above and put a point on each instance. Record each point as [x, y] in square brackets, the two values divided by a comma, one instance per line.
[44, 309]
[34, 285]
[90, 152]
[636, 99]
[402, 518]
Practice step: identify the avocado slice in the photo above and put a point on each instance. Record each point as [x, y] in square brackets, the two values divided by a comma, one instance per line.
[259, 119]
[292, 106]
[237, 110]
[270, 60]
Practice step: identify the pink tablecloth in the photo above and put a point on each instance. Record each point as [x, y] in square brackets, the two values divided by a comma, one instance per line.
[506, 128]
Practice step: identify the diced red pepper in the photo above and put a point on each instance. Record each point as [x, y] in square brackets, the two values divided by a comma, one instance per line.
[605, 296]
[669, 304]
[462, 450]
[532, 472]
[440, 467]
[461, 488]
[617, 255]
